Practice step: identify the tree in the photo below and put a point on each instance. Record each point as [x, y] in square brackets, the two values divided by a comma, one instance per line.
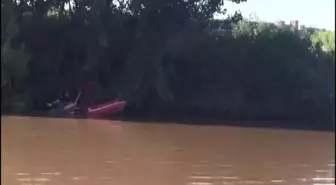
[14, 59]
[325, 39]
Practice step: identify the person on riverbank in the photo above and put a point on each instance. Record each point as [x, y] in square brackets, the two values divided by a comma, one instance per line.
[63, 105]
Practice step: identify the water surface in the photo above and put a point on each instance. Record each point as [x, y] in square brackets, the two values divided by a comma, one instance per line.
[46, 151]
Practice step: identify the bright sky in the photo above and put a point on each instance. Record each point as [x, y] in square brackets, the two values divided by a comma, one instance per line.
[312, 13]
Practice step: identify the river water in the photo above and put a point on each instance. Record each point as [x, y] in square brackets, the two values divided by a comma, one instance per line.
[45, 151]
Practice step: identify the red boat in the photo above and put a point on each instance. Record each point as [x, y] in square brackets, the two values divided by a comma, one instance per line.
[94, 111]
[106, 108]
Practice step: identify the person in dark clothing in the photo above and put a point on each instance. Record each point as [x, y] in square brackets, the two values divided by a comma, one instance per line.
[65, 97]
[62, 105]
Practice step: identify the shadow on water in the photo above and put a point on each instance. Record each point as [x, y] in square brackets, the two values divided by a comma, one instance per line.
[317, 125]
[292, 124]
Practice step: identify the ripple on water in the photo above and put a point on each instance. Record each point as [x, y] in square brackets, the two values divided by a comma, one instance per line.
[201, 177]
[323, 179]
[331, 165]
[22, 174]
[229, 177]
[200, 183]
[51, 173]
[278, 181]
[40, 179]
[79, 178]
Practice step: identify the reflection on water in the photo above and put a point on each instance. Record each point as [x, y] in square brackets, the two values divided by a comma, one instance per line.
[41, 151]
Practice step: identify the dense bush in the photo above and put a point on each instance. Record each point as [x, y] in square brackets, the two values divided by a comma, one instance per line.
[166, 57]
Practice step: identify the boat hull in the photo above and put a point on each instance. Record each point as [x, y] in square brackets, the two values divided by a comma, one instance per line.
[106, 108]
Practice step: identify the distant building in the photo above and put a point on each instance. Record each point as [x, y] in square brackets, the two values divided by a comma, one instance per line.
[226, 27]
[294, 24]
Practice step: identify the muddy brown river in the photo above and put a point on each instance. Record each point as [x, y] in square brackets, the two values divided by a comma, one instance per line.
[45, 151]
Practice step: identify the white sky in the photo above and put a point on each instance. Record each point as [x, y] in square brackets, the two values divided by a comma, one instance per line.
[314, 13]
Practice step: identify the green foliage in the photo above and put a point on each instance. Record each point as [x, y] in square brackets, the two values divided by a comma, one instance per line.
[325, 39]
[163, 54]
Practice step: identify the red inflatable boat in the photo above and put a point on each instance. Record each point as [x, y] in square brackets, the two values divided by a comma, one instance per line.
[106, 108]
[96, 110]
